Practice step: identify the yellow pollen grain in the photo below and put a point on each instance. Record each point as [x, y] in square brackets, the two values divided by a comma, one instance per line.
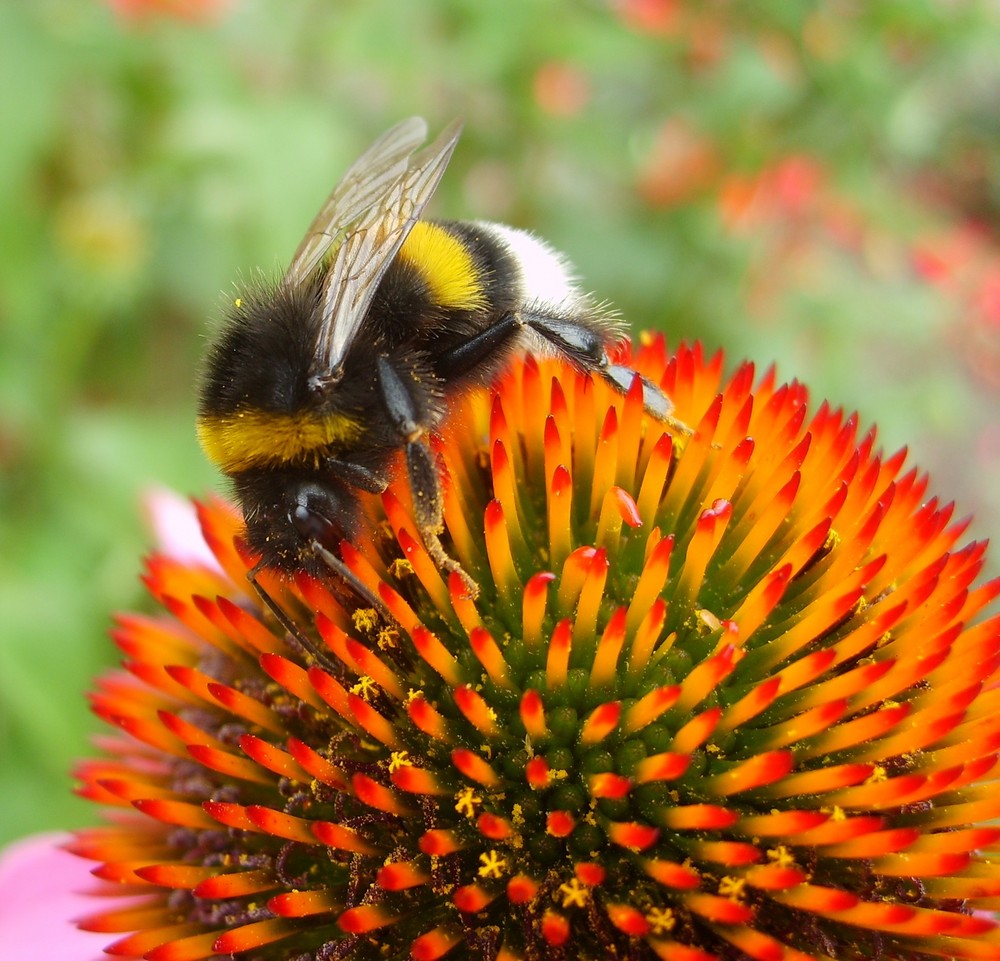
[733, 888]
[365, 619]
[466, 801]
[493, 866]
[781, 857]
[574, 893]
[660, 920]
[445, 265]
[399, 759]
[878, 775]
[366, 688]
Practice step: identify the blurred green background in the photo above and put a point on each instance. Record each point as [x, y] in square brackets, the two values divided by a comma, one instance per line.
[808, 184]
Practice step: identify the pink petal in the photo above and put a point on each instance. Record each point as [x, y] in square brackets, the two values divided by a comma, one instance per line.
[175, 526]
[40, 897]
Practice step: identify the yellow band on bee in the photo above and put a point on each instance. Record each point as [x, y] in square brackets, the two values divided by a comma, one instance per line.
[445, 265]
[249, 439]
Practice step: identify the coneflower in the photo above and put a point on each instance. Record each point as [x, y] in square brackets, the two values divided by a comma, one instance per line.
[724, 696]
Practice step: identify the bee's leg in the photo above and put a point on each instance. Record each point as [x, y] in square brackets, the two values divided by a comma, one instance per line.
[482, 350]
[584, 345]
[357, 475]
[428, 508]
[351, 579]
[298, 640]
[656, 402]
[412, 424]
[587, 347]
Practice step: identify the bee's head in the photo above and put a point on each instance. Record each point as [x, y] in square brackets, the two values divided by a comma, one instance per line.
[287, 513]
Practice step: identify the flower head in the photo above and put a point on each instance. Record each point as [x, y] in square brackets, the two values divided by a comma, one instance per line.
[722, 696]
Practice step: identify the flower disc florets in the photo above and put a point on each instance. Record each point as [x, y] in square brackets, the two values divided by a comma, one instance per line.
[720, 696]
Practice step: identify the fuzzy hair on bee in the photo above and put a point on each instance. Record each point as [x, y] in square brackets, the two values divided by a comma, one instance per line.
[314, 387]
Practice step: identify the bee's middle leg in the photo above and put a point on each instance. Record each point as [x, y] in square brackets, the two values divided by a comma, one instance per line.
[412, 419]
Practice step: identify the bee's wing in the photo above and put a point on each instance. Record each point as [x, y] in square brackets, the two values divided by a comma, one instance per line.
[369, 248]
[365, 184]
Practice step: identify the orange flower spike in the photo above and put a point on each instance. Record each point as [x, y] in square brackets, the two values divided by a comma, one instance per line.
[591, 595]
[423, 566]
[557, 449]
[630, 436]
[533, 608]
[608, 652]
[605, 463]
[661, 767]
[505, 491]
[573, 577]
[362, 568]
[244, 624]
[232, 766]
[367, 663]
[654, 477]
[472, 766]
[416, 780]
[436, 655]
[649, 707]
[705, 677]
[463, 522]
[584, 424]
[601, 722]
[753, 537]
[490, 656]
[318, 766]
[617, 508]
[377, 796]
[368, 917]
[476, 710]
[374, 723]
[462, 603]
[731, 472]
[401, 875]
[527, 391]
[708, 534]
[557, 661]
[559, 505]
[532, 712]
[304, 904]
[696, 732]
[537, 773]
[649, 638]
[656, 569]
[246, 707]
[501, 558]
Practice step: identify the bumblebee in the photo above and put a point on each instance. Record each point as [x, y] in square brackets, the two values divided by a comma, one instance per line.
[314, 386]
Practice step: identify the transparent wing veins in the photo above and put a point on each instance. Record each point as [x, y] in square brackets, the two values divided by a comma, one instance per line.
[364, 185]
[369, 246]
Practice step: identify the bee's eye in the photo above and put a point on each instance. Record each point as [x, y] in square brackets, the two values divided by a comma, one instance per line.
[316, 513]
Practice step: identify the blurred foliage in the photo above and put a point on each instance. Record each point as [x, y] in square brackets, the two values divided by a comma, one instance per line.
[809, 184]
